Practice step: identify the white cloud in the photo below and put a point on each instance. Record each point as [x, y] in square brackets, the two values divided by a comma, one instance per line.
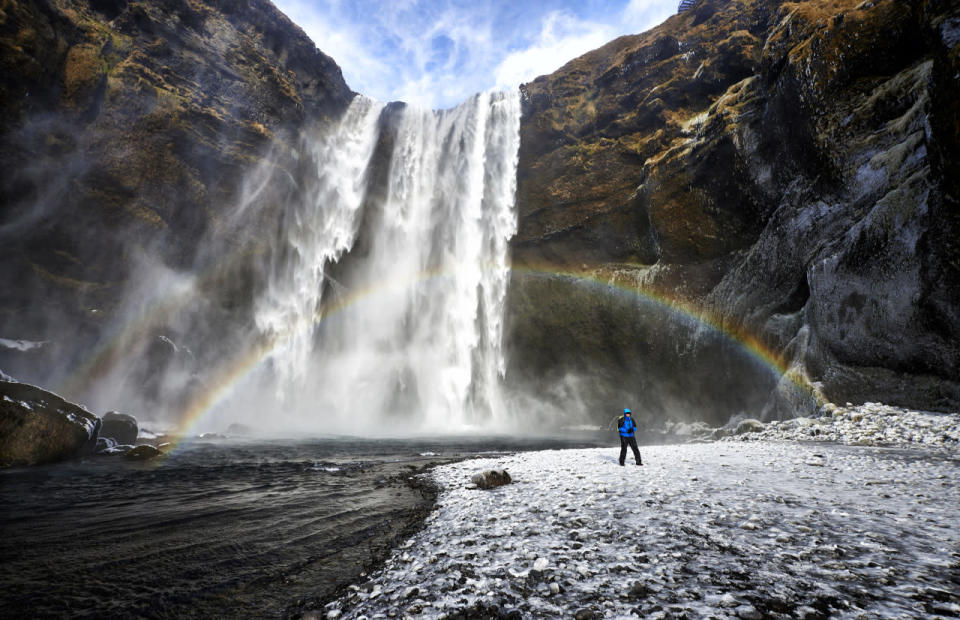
[363, 69]
[390, 52]
[641, 15]
[562, 38]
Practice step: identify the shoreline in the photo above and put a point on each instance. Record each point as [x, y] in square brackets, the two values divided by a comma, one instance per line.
[380, 549]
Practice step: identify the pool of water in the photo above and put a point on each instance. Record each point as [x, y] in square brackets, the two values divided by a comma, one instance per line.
[224, 528]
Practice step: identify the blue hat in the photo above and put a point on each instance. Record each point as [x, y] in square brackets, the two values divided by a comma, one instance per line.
[625, 410]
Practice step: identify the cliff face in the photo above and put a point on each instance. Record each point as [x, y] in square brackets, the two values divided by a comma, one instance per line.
[127, 131]
[751, 171]
[788, 169]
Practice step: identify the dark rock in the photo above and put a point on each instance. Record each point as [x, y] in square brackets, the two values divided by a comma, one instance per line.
[143, 452]
[639, 590]
[585, 614]
[104, 444]
[241, 430]
[789, 177]
[37, 427]
[749, 426]
[120, 427]
[491, 478]
[130, 132]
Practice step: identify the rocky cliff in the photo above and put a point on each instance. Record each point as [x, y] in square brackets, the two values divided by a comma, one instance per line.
[126, 132]
[785, 171]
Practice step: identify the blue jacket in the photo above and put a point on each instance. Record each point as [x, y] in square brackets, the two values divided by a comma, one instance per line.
[626, 426]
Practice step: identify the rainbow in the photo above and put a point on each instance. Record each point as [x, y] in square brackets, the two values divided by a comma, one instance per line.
[221, 383]
[232, 373]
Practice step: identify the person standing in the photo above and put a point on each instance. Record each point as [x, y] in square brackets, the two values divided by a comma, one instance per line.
[627, 428]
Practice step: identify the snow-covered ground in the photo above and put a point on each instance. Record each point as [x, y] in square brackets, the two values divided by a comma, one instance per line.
[725, 529]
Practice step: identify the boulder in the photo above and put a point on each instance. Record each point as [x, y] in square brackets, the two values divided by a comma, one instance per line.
[38, 427]
[120, 427]
[491, 478]
[749, 426]
[143, 453]
[237, 429]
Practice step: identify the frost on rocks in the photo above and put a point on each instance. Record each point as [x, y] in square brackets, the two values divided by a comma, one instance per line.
[725, 529]
[870, 424]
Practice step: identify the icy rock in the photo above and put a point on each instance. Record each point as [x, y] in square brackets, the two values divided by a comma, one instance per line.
[115, 450]
[584, 614]
[120, 427]
[491, 478]
[750, 426]
[38, 427]
[104, 444]
[748, 612]
[143, 453]
[541, 564]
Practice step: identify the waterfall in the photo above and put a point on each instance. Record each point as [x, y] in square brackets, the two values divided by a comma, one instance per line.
[320, 225]
[387, 287]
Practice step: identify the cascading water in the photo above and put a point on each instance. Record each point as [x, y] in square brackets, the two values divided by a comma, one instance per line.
[387, 290]
[319, 227]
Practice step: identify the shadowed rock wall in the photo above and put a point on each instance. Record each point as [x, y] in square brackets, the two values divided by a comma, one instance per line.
[790, 169]
[128, 129]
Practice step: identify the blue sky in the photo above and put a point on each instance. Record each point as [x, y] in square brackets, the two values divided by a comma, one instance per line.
[436, 53]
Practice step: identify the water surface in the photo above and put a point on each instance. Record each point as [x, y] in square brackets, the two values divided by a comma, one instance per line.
[224, 528]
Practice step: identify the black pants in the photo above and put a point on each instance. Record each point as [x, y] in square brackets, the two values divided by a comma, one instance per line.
[632, 442]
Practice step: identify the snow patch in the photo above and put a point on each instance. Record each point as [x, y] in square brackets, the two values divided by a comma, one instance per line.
[21, 345]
